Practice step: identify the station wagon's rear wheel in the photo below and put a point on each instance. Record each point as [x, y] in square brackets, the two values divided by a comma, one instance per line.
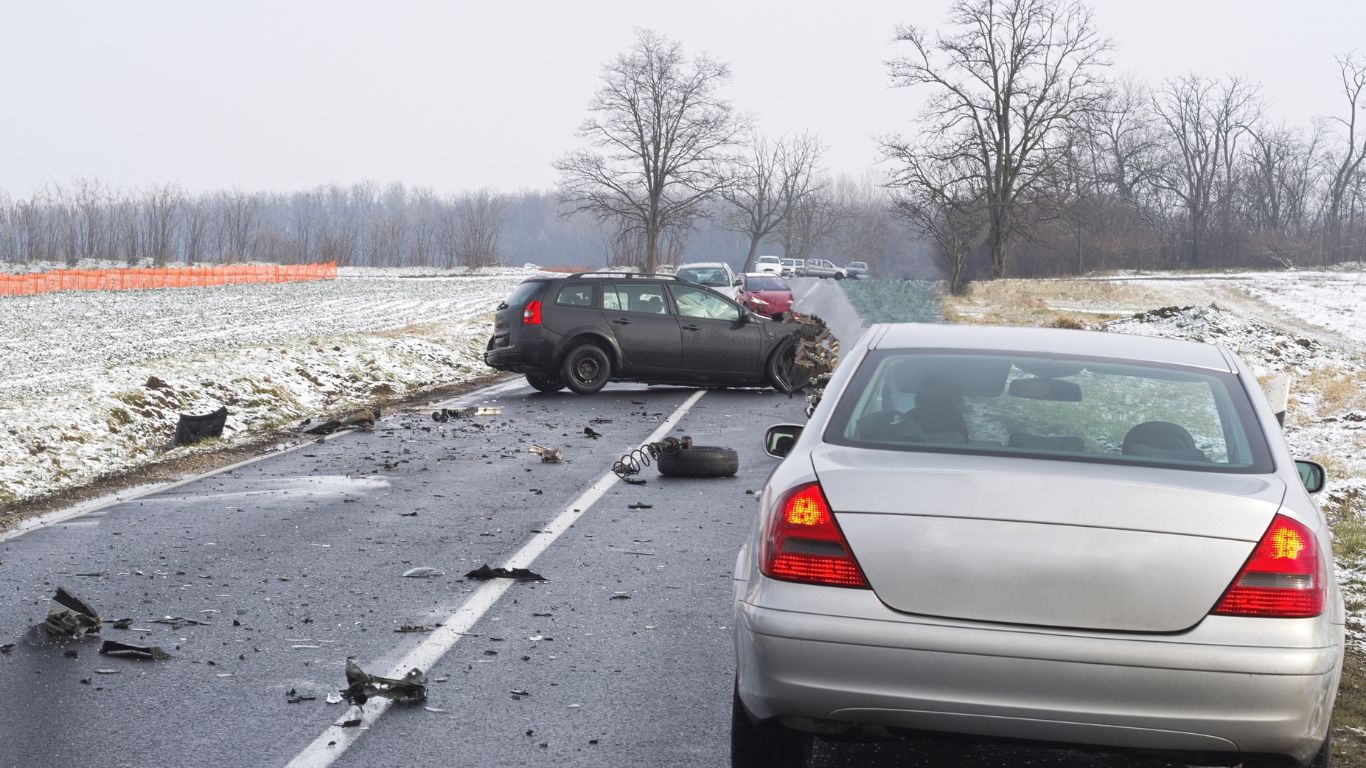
[586, 369]
[764, 745]
[545, 383]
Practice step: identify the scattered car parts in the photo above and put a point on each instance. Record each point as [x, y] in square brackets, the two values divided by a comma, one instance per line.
[70, 616]
[361, 686]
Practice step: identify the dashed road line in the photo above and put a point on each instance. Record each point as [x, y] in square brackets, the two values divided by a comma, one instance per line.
[335, 740]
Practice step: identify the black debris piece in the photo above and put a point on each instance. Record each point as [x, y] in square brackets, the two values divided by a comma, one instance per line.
[192, 429]
[633, 480]
[407, 514]
[127, 651]
[294, 697]
[70, 616]
[484, 573]
[71, 654]
[446, 414]
[352, 723]
[323, 428]
[6, 648]
[599, 420]
[638, 402]
[593, 433]
[177, 622]
[620, 596]
[414, 628]
[361, 686]
[640, 505]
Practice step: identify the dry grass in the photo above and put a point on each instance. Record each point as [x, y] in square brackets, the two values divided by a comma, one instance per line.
[1349, 716]
[1339, 391]
[1062, 302]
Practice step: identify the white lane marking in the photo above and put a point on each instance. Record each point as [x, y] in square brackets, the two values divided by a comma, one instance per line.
[336, 740]
[104, 502]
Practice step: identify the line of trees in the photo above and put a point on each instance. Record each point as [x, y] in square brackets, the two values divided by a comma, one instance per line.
[363, 224]
[1030, 159]
[368, 224]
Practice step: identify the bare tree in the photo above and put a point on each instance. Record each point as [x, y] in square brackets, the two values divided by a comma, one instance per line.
[812, 221]
[771, 179]
[241, 224]
[1347, 159]
[943, 199]
[657, 131]
[1202, 118]
[160, 205]
[1005, 83]
[480, 226]
[197, 214]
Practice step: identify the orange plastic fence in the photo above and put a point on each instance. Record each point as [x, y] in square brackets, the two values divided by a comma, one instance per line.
[140, 279]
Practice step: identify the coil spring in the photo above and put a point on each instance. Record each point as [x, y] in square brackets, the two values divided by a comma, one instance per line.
[640, 458]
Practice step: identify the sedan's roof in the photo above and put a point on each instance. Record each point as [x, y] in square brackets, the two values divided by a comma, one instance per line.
[1117, 346]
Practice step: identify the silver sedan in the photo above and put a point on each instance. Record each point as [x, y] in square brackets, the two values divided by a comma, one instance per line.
[1062, 537]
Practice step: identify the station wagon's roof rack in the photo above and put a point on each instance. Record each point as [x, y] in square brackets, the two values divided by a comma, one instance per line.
[623, 273]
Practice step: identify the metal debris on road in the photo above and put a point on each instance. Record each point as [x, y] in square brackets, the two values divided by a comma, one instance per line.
[361, 687]
[127, 651]
[446, 414]
[593, 433]
[422, 572]
[191, 429]
[6, 648]
[640, 458]
[352, 723]
[363, 419]
[548, 455]
[620, 596]
[108, 671]
[640, 505]
[414, 628]
[70, 616]
[484, 573]
[294, 697]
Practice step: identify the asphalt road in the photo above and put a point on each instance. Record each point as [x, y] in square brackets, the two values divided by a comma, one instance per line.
[621, 657]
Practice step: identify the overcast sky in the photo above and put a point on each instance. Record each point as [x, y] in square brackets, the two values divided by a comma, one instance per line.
[277, 95]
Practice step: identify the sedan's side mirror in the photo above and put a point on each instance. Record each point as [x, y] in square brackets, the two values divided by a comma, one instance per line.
[1312, 474]
[780, 438]
[737, 282]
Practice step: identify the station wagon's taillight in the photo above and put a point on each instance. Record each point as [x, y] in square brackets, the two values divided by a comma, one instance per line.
[1284, 577]
[532, 314]
[803, 543]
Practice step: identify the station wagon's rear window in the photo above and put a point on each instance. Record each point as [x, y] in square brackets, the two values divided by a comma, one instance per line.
[1086, 409]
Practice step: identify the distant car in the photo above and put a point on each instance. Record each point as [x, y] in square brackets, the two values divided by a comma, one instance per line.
[770, 264]
[765, 293]
[584, 330]
[666, 269]
[857, 269]
[716, 275]
[791, 267]
[822, 268]
[1065, 537]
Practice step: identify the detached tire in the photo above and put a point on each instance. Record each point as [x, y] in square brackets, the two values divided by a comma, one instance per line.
[545, 383]
[764, 745]
[699, 461]
[586, 369]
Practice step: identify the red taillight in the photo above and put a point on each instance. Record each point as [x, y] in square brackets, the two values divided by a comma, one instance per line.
[803, 542]
[1282, 579]
[532, 314]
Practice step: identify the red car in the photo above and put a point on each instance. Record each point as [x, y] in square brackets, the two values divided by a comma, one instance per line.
[764, 293]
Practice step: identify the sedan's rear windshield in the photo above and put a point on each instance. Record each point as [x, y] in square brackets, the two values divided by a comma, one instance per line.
[704, 275]
[1070, 408]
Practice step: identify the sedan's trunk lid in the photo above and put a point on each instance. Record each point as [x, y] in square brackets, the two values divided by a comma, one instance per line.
[1048, 543]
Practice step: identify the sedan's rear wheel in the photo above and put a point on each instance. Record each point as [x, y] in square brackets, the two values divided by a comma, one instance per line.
[764, 745]
[586, 369]
[545, 383]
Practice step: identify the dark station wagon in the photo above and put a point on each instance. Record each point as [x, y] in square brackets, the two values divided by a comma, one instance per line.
[583, 330]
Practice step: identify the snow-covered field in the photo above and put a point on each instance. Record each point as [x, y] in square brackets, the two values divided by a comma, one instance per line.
[94, 381]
